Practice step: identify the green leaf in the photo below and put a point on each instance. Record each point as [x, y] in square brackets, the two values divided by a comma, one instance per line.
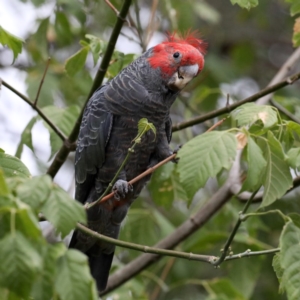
[74, 281]
[278, 269]
[12, 166]
[256, 164]
[295, 218]
[4, 190]
[62, 211]
[64, 119]
[21, 264]
[250, 113]
[26, 137]
[204, 157]
[296, 33]
[294, 158]
[295, 7]
[44, 285]
[143, 127]
[97, 46]
[11, 41]
[16, 215]
[76, 62]
[276, 178]
[293, 127]
[290, 260]
[35, 191]
[245, 3]
[165, 186]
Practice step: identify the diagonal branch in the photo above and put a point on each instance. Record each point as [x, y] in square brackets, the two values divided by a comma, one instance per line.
[64, 151]
[227, 109]
[38, 110]
[146, 249]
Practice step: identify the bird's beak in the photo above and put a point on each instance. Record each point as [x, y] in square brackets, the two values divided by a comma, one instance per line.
[183, 76]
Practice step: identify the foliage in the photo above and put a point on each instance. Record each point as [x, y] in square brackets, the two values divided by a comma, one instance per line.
[33, 268]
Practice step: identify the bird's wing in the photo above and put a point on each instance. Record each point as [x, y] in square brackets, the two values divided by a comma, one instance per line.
[94, 134]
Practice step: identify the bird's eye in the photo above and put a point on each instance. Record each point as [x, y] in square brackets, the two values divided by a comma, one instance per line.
[176, 54]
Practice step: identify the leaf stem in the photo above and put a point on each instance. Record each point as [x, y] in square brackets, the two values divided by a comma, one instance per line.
[248, 253]
[234, 231]
[41, 83]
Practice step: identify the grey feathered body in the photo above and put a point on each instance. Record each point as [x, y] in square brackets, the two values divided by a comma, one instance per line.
[108, 128]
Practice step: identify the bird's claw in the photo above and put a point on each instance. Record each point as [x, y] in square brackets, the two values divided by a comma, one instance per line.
[176, 159]
[121, 188]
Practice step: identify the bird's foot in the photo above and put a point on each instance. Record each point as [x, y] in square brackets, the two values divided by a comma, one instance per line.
[121, 188]
[176, 159]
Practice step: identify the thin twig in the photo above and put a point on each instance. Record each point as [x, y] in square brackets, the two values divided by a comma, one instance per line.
[249, 253]
[226, 109]
[112, 7]
[143, 248]
[284, 111]
[41, 83]
[39, 111]
[64, 151]
[232, 234]
[116, 11]
[150, 28]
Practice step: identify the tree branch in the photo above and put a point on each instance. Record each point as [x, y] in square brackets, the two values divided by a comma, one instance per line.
[227, 109]
[143, 248]
[38, 110]
[248, 253]
[64, 151]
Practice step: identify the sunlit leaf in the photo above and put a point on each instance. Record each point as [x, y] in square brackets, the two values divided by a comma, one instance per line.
[296, 34]
[35, 191]
[294, 158]
[249, 113]
[11, 41]
[62, 211]
[26, 137]
[204, 156]
[22, 262]
[245, 3]
[276, 177]
[290, 260]
[12, 166]
[278, 269]
[4, 190]
[43, 287]
[74, 280]
[76, 62]
[256, 164]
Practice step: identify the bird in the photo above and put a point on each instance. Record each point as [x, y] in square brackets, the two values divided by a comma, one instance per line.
[146, 88]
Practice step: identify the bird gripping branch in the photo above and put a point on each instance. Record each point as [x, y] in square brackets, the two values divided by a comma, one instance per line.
[144, 89]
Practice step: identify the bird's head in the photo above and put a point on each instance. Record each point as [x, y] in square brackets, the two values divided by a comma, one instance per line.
[180, 59]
